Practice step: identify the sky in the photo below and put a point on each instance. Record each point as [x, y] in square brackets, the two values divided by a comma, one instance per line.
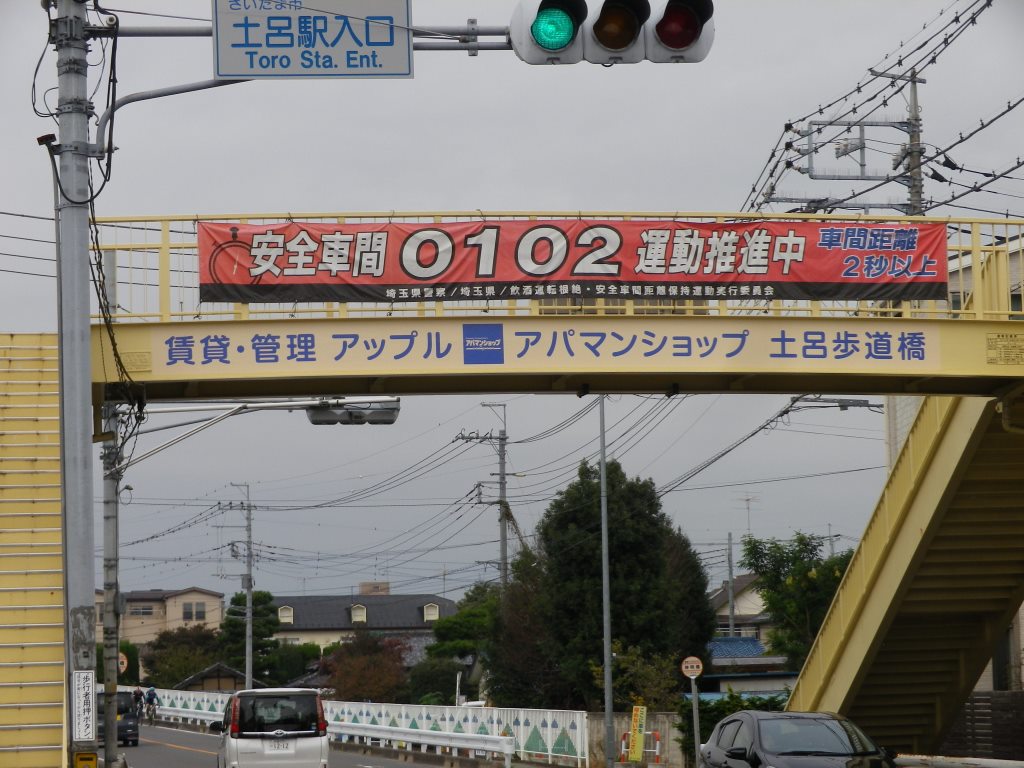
[334, 506]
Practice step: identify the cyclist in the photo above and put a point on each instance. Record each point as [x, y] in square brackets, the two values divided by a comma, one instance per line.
[137, 703]
[152, 699]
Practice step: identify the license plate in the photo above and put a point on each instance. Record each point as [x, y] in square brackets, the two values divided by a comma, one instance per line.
[279, 745]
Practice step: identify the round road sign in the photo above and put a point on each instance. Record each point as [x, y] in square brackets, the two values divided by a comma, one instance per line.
[692, 667]
[122, 663]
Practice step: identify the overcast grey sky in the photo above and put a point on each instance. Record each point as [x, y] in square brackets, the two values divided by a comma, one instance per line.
[488, 133]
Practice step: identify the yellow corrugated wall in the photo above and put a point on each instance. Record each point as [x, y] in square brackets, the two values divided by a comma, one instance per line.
[31, 591]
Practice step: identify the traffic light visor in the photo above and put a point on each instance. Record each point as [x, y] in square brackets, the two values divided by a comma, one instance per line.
[682, 23]
[619, 24]
[553, 28]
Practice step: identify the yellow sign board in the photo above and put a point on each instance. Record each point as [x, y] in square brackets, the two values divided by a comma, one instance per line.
[636, 734]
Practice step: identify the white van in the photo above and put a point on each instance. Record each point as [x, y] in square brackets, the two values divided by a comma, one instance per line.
[273, 728]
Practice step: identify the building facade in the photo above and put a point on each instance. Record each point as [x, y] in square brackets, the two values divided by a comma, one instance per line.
[149, 612]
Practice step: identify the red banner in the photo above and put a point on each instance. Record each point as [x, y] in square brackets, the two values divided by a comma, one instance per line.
[501, 260]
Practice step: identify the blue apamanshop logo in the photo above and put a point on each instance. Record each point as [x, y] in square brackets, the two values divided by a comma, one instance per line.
[483, 344]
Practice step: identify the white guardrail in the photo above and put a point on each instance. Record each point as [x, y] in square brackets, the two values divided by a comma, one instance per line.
[535, 735]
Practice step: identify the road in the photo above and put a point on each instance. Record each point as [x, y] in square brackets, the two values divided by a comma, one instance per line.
[163, 747]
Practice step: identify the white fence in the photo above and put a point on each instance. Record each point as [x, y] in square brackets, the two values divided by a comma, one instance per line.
[549, 736]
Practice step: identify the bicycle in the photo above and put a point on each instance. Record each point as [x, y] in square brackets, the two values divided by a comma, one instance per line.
[151, 713]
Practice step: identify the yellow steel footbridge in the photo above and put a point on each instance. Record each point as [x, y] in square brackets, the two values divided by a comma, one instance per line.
[933, 586]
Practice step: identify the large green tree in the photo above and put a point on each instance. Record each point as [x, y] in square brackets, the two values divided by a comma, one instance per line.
[264, 624]
[797, 582]
[433, 681]
[551, 620]
[179, 653]
[287, 662]
[466, 631]
[522, 662]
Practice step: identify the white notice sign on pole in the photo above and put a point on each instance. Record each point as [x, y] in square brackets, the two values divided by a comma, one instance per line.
[307, 39]
[83, 705]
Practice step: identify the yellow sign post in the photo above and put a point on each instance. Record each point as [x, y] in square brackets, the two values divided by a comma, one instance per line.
[636, 734]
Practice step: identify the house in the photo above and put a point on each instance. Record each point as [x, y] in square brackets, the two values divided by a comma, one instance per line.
[748, 616]
[740, 659]
[147, 613]
[1003, 673]
[329, 619]
[217, 677]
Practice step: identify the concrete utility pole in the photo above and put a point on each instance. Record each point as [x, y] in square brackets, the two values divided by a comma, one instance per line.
[70, 39]
[915, 150]
[246, 506]
[732, 594]
[111, 592]
[503, 508]
[247, 583]
[910, 156]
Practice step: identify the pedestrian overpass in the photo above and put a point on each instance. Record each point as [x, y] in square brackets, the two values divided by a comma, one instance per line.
[934, 584]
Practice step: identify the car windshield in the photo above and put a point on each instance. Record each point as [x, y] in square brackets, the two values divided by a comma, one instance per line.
[124, 703]
[813, 735]
[288, 712]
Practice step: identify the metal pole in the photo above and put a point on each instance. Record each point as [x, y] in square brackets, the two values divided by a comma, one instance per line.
[73, 109]
[696, 721]
[606, 605]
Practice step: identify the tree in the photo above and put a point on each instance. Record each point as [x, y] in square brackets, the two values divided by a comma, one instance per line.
[466, 632]
[432, 681]
[640, 680]
[553, 606]
[176, 654]
[522, 664]
[797, 583]
[287, 662]
[369, 668]
[264, 624]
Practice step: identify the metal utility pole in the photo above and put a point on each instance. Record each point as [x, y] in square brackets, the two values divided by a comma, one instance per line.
[70, 39]
[606, 607]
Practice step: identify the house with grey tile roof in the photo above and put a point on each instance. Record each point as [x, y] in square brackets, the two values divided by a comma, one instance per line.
[329, 619]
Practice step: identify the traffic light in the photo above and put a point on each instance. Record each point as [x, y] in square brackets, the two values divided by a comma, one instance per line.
[612, 31]
[354, 413]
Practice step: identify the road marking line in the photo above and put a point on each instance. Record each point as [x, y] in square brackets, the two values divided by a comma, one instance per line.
[178, 746]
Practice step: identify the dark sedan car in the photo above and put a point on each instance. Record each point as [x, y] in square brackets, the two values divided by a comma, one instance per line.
[751, 739]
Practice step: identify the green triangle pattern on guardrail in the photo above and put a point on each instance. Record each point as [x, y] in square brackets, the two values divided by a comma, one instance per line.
[535, 742]
[563, 745]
